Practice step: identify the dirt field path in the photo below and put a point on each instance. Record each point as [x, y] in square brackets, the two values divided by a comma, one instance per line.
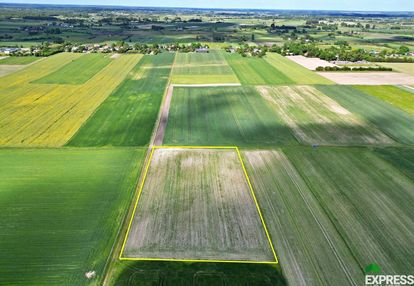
[159, 136]
[206, 85]
[162, 124]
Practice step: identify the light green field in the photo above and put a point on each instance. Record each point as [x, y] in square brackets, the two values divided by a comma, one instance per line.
[223, 116]
[256, 71]
[202, 68]
[197, 204]
[391, 120]
[309, 248]
[396, 96]
[18, 60]
[61, 211]
[127, 117]
[78, 71]
[407, 68]
[294, 71]
[369, 201]
[317, 119]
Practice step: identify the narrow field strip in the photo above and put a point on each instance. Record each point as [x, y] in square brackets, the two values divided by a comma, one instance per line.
[317, 119]
[195, 204]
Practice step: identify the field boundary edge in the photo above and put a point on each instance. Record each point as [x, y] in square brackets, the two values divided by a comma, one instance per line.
[141, 187]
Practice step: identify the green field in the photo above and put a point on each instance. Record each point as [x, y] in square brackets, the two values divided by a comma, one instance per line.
[78, 71]
[294, 71]
[391, 94]
[407, 68]
[368, 200]
[18, 60]
[392, 121]
[256, 71]
[310, 250]
[128, 115]
[223, 116]
[317, 119]
[400, 158]
[61, 211]
[202, 68]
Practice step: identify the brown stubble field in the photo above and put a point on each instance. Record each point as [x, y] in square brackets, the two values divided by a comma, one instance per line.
[196, 204]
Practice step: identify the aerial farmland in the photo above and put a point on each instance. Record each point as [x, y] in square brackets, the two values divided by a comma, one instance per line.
[205, 147]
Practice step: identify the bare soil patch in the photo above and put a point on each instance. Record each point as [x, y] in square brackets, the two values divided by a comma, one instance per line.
[310, 63]
[369, 78]
[196, 204]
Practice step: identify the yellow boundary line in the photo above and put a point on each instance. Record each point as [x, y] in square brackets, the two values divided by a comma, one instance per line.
[198, 260]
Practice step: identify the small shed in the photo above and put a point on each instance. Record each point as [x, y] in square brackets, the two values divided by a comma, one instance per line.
[202, 50]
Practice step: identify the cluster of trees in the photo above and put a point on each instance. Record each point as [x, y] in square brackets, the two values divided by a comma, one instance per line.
[123, 47]
[46, 49]
[344, 52]
[346, 68]
[255, 51]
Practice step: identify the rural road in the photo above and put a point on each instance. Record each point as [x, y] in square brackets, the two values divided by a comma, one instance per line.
[159, 136]
[206, 85]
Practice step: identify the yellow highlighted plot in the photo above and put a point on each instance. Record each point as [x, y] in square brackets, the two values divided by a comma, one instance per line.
[265, 233]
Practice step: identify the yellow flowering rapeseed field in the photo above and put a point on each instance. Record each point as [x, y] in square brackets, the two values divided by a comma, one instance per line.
[33, 114]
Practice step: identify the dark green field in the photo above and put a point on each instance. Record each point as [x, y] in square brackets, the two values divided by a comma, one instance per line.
[333, 211]
[400, 158]
[78, 71]
[223, 116]
[391, 120]
[128, 115]
[368, 200]
[61, 211]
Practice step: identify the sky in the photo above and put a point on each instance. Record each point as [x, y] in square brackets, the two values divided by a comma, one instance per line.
[353, 5]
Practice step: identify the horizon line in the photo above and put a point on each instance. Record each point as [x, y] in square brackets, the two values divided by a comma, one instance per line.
[205, 8]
